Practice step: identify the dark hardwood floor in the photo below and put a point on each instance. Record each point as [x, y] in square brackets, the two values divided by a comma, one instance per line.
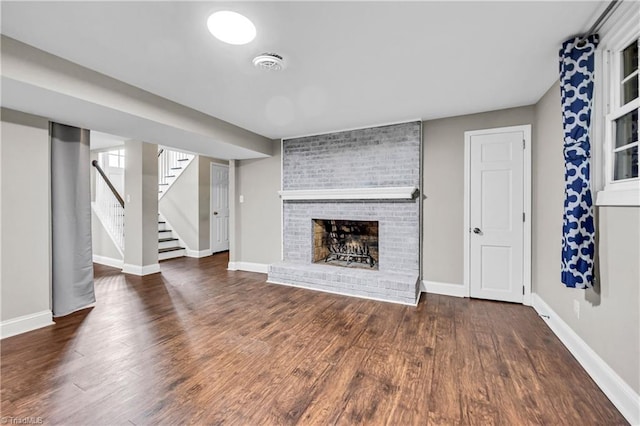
[200, 344]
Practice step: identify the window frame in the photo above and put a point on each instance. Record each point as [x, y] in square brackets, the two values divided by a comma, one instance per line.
[623, 29]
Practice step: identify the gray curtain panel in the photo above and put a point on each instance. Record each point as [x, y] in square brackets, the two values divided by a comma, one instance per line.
[72, 263]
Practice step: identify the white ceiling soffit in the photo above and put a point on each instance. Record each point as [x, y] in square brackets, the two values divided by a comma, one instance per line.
[43, 84]
[348, 64]
[102, 141]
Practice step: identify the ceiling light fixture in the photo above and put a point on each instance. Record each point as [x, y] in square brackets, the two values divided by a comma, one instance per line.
[231, 27]
[269, 61]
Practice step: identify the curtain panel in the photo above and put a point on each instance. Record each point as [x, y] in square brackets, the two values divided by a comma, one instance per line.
[578, 230]
[71, 263]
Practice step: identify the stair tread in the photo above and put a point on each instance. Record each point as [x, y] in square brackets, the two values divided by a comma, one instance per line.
[164, 230]
[169, 176]
[176, 168]
[164, 240]
[164, 250]
[183, 159]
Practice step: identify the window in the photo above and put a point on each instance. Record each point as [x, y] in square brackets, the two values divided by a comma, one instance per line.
[116, 159]
[618, 68]
[624, 114]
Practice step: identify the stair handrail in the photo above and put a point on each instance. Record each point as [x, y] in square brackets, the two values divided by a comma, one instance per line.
[95, 164]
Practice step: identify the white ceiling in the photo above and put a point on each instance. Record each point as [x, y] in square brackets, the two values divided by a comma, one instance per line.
[349, 64]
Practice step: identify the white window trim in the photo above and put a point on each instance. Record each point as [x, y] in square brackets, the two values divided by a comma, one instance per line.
[621, 29]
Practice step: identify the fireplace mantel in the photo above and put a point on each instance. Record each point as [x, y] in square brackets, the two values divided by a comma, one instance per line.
[378, 193]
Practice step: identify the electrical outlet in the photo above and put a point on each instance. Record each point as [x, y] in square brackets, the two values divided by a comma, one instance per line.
[576, 308]
[242, 198]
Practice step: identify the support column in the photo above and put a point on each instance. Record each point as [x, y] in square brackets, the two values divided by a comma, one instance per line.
[141, 208]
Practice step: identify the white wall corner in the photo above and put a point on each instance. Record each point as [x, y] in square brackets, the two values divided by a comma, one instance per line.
[626, 400]
[445, 289]
[198, 254]
[261, 268]
[108, 261]
[19, 325]
[141, 270]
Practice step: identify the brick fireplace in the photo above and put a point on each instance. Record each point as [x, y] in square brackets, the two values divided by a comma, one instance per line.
[351, 215]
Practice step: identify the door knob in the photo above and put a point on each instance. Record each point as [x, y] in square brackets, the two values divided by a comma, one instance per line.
[215, 213]
[477, 231]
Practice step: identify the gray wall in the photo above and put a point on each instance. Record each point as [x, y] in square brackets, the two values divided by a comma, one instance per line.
[258, 226]
[443, 186]
[204, 200]
[609, 316]
[25, 272]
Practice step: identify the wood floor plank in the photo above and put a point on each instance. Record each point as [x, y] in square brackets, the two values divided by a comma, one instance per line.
[334, 393]
[203, 345]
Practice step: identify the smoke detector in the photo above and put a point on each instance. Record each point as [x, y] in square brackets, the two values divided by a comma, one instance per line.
[269, 61]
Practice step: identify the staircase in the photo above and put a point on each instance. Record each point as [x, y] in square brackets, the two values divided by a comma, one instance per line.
[171, 164]
[168, 245]
[109, 205]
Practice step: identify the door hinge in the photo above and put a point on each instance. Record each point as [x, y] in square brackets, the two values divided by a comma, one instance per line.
[523, 290]
[523, 216]
[524, 144]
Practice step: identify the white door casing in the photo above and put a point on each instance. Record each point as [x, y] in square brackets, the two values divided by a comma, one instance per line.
[219, 238]
[497, 214]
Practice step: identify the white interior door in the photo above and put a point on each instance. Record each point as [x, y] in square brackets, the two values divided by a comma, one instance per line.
[496, 214]
[219, 208]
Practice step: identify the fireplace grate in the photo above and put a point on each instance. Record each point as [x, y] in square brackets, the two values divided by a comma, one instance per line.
[348, 243]
[349, 252]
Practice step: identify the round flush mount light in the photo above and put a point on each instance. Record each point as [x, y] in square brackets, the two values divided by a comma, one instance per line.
[231, 27]
[269, 61]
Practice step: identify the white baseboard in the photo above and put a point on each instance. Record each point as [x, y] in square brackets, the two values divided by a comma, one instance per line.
[141, 270]
[25, 323]
[108, 261]
[198, 254]
[626, 400]
[261, 268]
[445, 289]
[377, 299]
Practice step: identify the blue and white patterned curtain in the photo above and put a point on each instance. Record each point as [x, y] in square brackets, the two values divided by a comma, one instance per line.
[576, 90]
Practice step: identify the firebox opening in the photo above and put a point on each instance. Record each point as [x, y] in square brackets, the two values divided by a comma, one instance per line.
[347, 243]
